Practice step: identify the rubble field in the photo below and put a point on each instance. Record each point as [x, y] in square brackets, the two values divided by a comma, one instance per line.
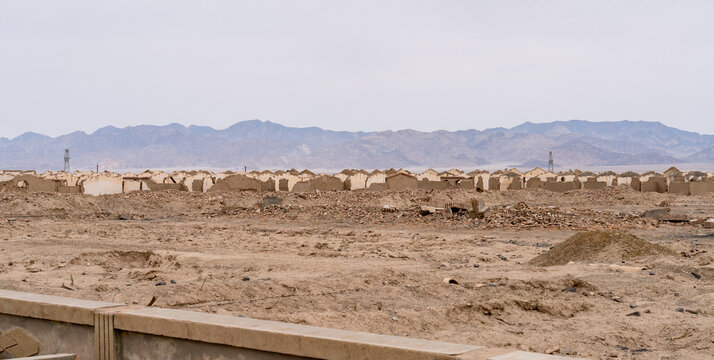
[609, 273]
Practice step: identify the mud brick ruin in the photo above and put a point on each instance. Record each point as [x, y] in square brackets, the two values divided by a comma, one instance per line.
[106, 183]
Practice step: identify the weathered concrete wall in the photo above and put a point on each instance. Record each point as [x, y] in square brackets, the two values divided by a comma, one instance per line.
[53, 337]
[138, 346]
[104, 331]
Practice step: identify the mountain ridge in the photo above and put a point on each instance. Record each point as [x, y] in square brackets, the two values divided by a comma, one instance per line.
[269, 145]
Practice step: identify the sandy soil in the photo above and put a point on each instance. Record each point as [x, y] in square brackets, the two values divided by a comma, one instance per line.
[342, 260]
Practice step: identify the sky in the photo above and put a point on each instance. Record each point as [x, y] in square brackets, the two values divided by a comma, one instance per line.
[354, 65]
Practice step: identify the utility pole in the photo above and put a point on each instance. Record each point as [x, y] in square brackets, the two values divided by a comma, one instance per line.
[66, 160]
[550, 161]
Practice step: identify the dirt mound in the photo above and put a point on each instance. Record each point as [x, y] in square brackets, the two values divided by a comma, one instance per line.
[599, 246]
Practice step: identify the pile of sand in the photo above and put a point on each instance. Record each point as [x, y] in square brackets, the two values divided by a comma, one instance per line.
[599, 246]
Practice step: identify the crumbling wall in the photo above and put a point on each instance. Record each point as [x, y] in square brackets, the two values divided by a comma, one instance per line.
[654, 184]
[131, 186]
[593, 184]
[433, 185]
[31, 183]
[402, 182]
[325, 183]
[375, 178]
[356, 181]
[102, 185]
[514, 183]
[535, 183]
[429, 175]
[237, 182]
[301, 186]
[698, 188]
[561, 186]
[494, 183]
[283, 185]
[679, 187]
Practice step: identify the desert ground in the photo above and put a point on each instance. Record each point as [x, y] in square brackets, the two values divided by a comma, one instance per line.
[371, 261]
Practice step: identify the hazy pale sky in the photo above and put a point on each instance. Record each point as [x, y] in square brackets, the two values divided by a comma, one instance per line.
[354, 65]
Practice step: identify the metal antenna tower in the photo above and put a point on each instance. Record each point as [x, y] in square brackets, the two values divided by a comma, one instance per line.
[550, 161]
[66, 160]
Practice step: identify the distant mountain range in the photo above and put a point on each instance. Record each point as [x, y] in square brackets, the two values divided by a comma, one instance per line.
[266, 145]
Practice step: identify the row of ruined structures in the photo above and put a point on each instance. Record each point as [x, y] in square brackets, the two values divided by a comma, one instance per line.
[671, 180]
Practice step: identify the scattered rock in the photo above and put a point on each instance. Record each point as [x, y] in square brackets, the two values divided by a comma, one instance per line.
[709, 224]
[696, 276]
[570, 289]
[427, 210]
[679, 309]
[173, 282]
[450, 281]
[126, 217]
[270, 201]
[245, 278]
[635, 313]
[655, 213]
[675, 218]
[161, 283]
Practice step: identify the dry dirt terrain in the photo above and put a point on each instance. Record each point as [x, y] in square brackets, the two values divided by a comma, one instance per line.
[345, 260]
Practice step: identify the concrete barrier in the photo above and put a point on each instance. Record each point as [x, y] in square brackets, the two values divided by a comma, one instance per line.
[108, 331]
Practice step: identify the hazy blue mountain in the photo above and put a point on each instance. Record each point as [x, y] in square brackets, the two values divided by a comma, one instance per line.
[266, 145]
[651, 135]
[705, 155]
